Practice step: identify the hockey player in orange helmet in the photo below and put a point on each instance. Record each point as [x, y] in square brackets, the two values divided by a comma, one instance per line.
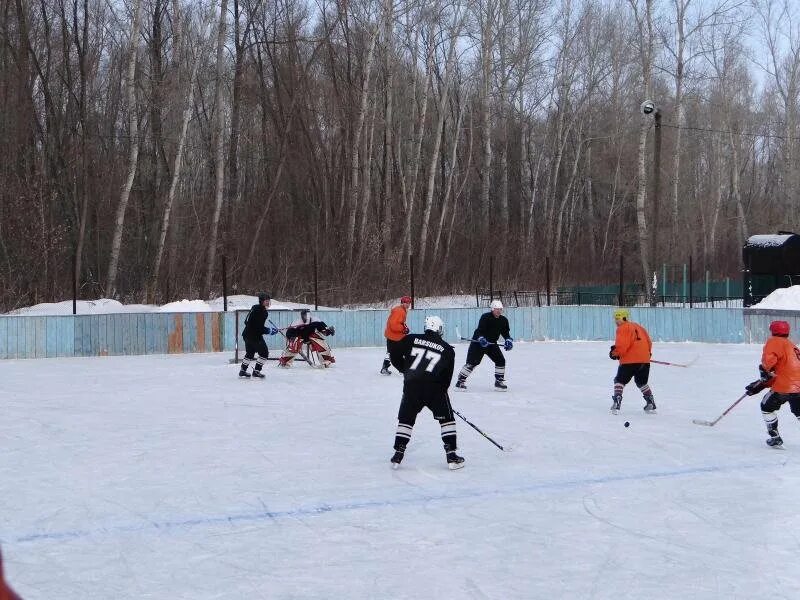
[396, 329]
[780, 371]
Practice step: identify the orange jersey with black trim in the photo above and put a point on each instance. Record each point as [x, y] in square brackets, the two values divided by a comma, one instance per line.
[632, 343]
[782, 357]
[396, 324]
[6, 593]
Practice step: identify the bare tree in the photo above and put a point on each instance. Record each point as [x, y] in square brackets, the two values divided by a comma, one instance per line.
[219, 156]
[643, 15]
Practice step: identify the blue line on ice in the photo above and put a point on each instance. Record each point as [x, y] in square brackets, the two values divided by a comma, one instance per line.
[318, 509]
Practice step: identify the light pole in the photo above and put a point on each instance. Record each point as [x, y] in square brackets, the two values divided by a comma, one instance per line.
[649, 108]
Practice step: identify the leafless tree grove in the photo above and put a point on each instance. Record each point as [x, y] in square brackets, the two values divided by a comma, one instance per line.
[143, 142]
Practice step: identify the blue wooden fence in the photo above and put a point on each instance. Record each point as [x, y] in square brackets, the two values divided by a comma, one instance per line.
[166, 333]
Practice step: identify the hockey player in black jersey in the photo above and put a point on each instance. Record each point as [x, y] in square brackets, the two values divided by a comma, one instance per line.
[252, 334]
[491, 326]
[426, 362]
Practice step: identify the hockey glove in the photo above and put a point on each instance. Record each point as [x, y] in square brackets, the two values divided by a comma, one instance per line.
[509, 344]
[406, 330]
[270, 330]
[483, 342]
[612, 354]
[755, 387]
[329, 330]
[765, 375]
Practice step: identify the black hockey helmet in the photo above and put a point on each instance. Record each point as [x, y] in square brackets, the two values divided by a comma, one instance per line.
[263, 296]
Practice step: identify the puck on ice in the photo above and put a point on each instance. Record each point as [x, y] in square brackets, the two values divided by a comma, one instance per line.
[627, 424]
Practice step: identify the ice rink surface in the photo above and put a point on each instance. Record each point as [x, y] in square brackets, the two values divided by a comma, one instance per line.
[166, 477]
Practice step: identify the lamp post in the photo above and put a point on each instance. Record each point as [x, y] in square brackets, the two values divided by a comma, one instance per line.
[649, 108]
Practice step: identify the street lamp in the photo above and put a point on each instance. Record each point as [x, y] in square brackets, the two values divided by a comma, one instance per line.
[649, 108]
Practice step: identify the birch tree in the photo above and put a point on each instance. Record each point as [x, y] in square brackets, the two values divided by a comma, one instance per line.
[133, 156]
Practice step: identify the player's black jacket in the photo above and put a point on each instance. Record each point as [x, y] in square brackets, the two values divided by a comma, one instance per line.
[304, 331]
[424, 358]
[254, 323]
[492, 328]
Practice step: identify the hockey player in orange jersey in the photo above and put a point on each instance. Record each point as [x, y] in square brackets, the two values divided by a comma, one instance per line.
[6, 593]
[632, 347]
[780, 371]
[396, 330]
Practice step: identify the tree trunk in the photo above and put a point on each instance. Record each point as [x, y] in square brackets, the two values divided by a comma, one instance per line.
[133, 155]
[357, 157]
[219, 124]
[176, 174]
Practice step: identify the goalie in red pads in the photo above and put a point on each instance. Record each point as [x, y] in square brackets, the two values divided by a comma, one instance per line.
[310, 332]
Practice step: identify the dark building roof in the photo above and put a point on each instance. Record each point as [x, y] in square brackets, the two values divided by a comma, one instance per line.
[773, 254]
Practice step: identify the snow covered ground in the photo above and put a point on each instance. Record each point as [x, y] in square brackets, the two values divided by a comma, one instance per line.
[167, 477]
[780, 299]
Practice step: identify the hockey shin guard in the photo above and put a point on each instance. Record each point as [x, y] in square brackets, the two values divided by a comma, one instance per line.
[448, 435]
[403, 436]
[465, 372]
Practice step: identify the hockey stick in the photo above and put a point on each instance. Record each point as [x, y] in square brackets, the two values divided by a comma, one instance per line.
[715, 421]
[300, 352]
[671, 364]
[478, 430]
[458, 334]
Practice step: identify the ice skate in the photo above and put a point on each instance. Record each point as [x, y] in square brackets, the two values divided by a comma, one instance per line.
[454, 461]
[385, 371]
[616, 402]
[500, 385]
[775, 441]
[460, 385]
[397, 458]
[243, 374]
[650, 406]
[258, 375]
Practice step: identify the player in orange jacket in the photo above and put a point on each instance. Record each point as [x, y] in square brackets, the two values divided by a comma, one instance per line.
[6, 593]
[780, 371]
[632, 347]
[396, 330]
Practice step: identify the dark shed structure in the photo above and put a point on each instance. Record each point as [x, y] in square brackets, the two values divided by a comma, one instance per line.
[770, 262]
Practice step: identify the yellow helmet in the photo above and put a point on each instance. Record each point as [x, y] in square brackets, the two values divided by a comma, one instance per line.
[622, 313]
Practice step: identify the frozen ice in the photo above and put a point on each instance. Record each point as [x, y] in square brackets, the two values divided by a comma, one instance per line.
[166, 477]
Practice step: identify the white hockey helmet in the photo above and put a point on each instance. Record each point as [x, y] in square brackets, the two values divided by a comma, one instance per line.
[435, 324]
[496, 305]
[305, 315]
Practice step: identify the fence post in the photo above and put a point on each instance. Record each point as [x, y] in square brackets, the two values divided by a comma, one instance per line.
[75, 285]
[727, 290]
[684, 283]
[663, 283]
[690, 282]
[224, 285]
[491, 280]
[707, 284]
[621, 297]
[316, 288]
[411, 273]
[547, 277]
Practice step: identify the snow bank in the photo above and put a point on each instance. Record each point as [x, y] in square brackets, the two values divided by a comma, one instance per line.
[782, 299]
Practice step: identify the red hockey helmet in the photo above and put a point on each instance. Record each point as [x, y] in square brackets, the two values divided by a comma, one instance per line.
[779, 328]
[405, 300]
